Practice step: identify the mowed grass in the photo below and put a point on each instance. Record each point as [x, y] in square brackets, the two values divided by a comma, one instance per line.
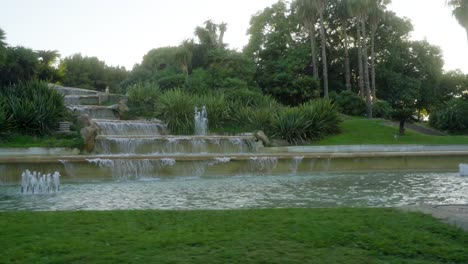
[238, 236]
[359, 131]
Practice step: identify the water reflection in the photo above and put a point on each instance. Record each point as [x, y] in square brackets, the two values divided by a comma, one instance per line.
[188, 193]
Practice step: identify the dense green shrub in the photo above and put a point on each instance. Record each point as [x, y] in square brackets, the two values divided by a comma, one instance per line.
[32, 107]
[306, 122]
[172, 82]
[250, 118]
[350, 103]
[216, 107]
[6, 120]
[453, 117]
[142, 98]
[249, 98]
[290, 124]
[322, 116]
[176, 108]
[382, 109]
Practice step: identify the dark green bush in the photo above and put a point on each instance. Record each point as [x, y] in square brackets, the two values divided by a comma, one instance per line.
[216, 107]
[306, 122]
[32, 107]
[142, 97]
[453, 117]
[172, 82]
[249, 98]
[290, 124]
[323, 118]
[382, 109]
[6, 120]
[250, 118]
[176, 108]
[350, 103]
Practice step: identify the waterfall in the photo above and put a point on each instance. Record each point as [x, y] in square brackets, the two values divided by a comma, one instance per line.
[201, 121]
[463, 170]
[37, 183]
[295, 162]
[137, 128]
[123, 169]
[263, 165]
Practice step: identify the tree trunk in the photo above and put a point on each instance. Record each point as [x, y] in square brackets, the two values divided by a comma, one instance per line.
[221, 39]
[359, 49]
[347, 68]
[402, 127]
[324, 57]
[374, 90]
[366, 70]
[313, 51]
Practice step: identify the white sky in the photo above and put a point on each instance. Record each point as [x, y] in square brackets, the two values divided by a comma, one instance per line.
[120, 32]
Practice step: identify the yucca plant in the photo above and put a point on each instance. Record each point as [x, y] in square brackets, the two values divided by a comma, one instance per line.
[142, 98]
[251, 118]
[176, 108]
[33, 107]
[290, 124]
[323, 117]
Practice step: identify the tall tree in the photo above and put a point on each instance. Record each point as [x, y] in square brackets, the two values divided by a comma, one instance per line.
[344, 17]
[460, 11]
[3, 43]
[307, 14]
[376, 13]
[48, 57]
[359, 9]
[319, 6]
[222, 29]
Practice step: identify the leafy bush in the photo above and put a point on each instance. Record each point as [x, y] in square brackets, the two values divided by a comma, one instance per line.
[323, 118]
[32, 107]
[172, 82]
[308, 121]
[142, 98]
[382, 109]
[350, 103]
[6, 120]
[249, 98]
[290, 124]
[453, 117]
[176, 108]
[250, 118]
[216, 107]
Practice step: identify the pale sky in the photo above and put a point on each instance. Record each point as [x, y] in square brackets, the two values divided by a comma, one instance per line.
[120, 32]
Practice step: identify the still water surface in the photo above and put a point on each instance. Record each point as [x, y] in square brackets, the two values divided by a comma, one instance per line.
[189, 193]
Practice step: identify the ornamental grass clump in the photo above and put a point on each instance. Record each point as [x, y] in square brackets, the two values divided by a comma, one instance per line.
[309, 121]
[32, 107]
[176, 108]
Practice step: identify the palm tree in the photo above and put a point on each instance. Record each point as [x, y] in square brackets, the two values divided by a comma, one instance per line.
[306, 13]
[212, 29]
[3, 44]
[222, 30]
[319, 7]
[359, 8]
[460, 11]
[376, 13]
[184, 57]
[343, 15]
[48, 57]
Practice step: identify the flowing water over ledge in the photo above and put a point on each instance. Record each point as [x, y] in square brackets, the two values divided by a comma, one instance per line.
[376, 189]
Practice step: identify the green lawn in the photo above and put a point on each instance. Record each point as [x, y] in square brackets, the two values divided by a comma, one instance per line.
[26, 141]
[248, 236]
[357, 131]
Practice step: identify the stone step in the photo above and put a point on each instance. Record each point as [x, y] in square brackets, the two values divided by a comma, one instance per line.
[96, 111]
[81, 100]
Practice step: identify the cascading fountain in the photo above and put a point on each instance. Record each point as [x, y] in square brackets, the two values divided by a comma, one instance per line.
[463, 170]
[37, 183]
[201, 121]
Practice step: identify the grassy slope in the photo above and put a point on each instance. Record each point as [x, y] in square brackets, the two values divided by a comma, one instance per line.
[250, 236]
[357, 131]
